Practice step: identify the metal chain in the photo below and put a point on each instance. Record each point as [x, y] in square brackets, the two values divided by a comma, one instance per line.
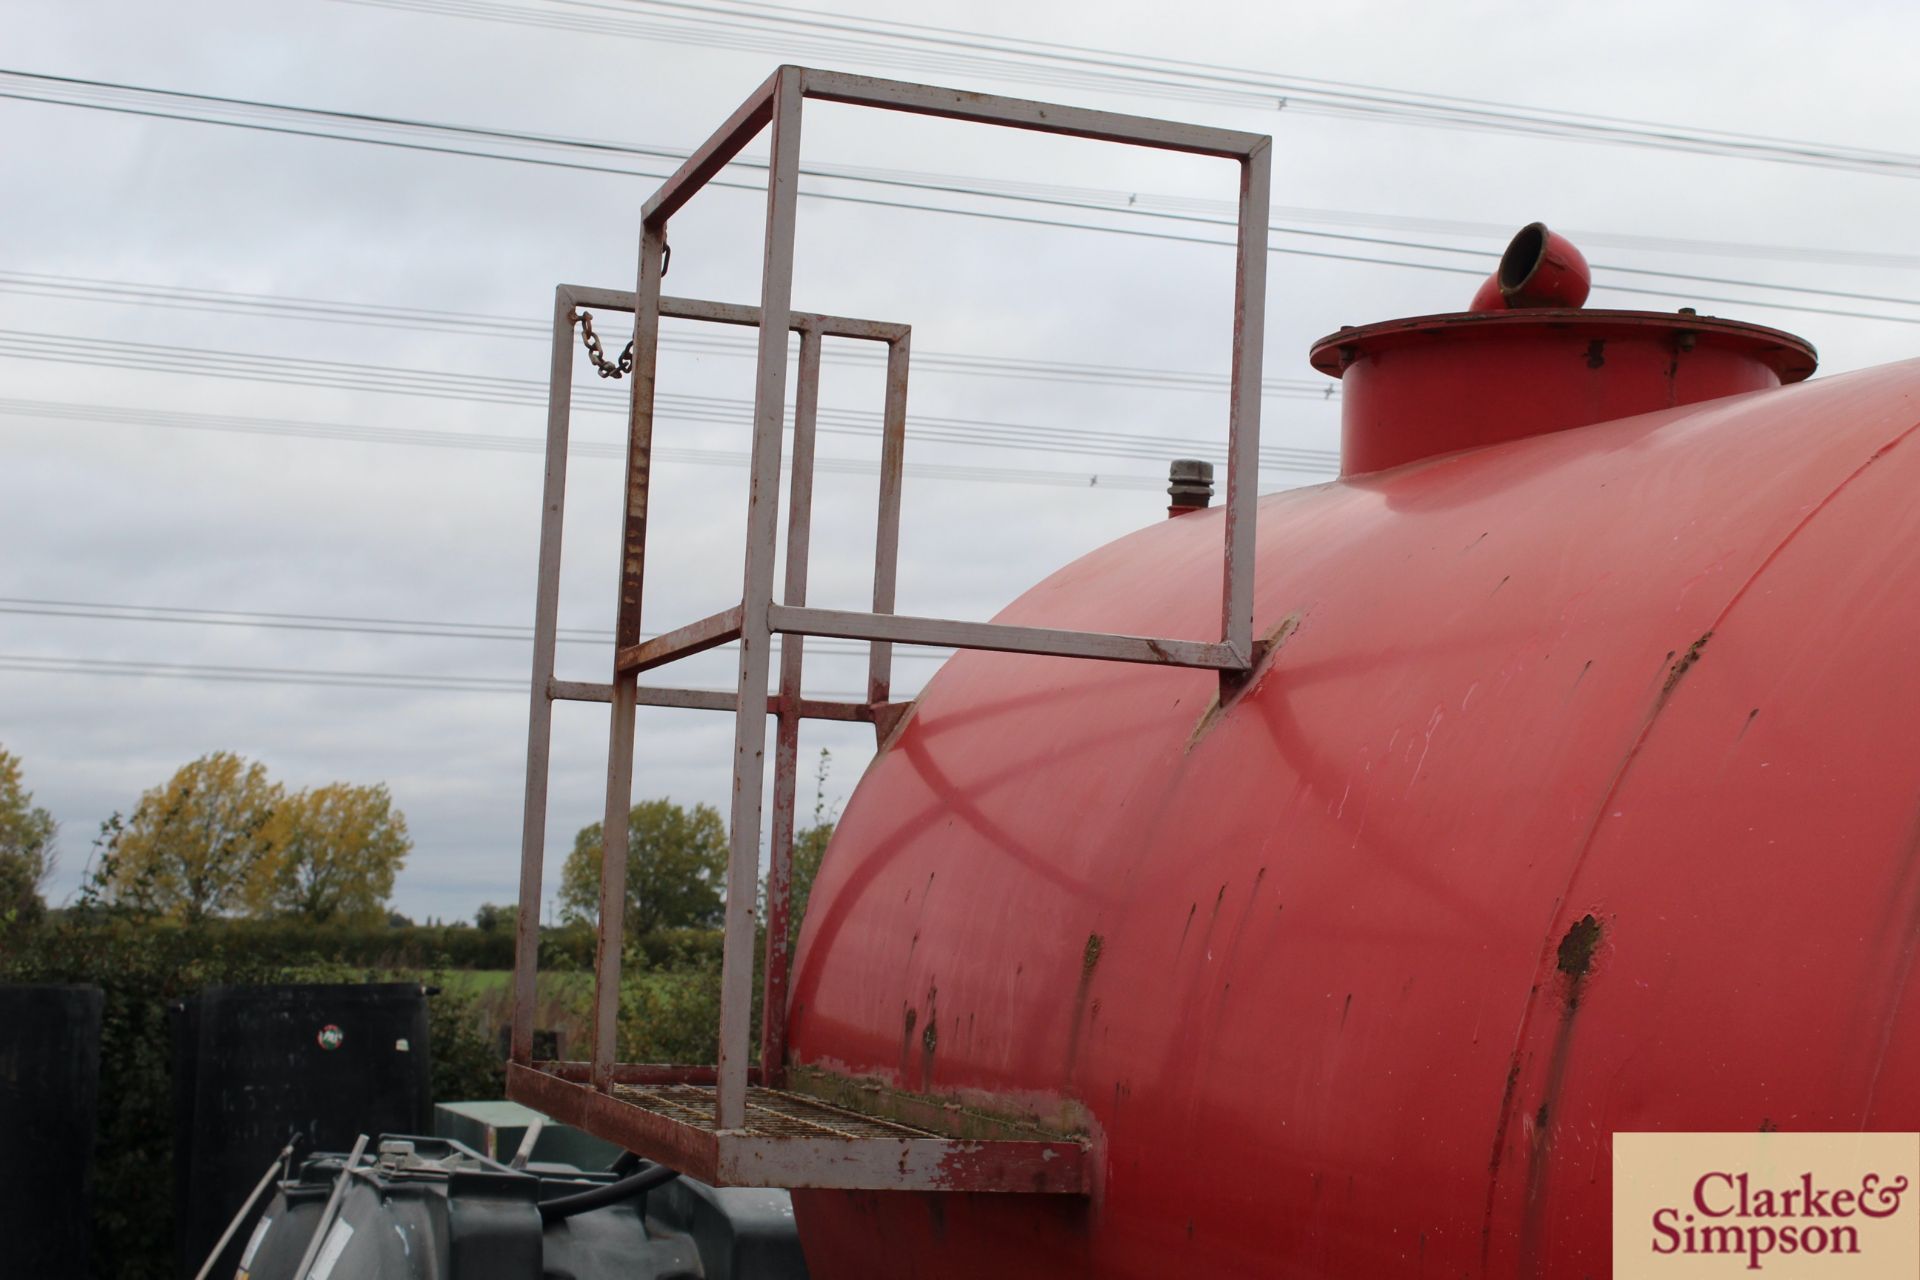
[624, 365]
[607, 368]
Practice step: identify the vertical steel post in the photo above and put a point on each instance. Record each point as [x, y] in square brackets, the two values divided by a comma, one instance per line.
[1243, 429]
[786, 754]
[626, 631]
[886, 543]
[546, 611]
[763, 510]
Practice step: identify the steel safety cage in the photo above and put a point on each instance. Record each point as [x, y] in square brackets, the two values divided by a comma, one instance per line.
[735, 1122]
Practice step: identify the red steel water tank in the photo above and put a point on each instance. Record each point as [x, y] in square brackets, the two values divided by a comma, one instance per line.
[1580, 793]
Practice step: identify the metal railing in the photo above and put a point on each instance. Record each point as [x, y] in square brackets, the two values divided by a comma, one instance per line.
[632, 656]
[759, 616]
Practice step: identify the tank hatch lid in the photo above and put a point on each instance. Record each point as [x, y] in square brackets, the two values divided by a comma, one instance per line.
[1526, 359]
[1791, 358]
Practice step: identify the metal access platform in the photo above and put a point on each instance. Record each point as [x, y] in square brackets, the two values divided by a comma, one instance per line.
[742, 1122]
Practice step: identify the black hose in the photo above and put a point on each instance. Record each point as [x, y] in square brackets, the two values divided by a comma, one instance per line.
[626, 1163]
[607, 1193]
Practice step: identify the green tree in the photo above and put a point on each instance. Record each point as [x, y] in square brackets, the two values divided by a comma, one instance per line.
[26, 847]
[494, 918]
[671, 1015]
[195, 843]
[676, 869]
[332, 854]
[809, 848]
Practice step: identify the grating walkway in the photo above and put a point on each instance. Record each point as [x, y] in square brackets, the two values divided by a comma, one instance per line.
[771, 1113]
[796, 1140]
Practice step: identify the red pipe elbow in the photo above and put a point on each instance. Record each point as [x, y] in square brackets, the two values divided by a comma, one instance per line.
[1542, 269]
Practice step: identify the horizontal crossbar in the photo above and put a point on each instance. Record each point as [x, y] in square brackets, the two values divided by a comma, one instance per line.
[739, 313]
[712, 155]
[756, 113]
[579, 691]
[724, 700]
[1024, 113]
[681, 642]
[1210, 655]
[638, 1072]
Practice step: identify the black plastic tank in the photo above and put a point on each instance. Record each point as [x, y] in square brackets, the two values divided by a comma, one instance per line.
[254, 1066]
[49, 1100]
[421, 1208]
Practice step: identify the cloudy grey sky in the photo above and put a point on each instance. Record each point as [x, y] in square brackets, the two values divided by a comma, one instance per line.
[251, 371]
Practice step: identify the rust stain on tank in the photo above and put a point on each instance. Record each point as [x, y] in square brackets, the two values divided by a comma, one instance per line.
[1089, 961]
[1499, 1151]
[1685, 664]
[929, 1040]
[1575, 955]
[1573, 961]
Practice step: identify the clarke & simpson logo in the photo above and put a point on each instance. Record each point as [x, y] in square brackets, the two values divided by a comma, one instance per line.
[1799, 1205]
[1727, 1215]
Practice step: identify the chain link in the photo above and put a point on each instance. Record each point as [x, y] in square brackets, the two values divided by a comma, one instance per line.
[607, 368]
[624, 365]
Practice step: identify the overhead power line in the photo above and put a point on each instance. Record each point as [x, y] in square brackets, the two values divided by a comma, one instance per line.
[790, 34]
[245, 113]
[413, 628]
[47, 664]
[220, 109]
[166, 419]
[498, 389]
[858, 355]
[723, 183]
[789, 45]
[243, 121]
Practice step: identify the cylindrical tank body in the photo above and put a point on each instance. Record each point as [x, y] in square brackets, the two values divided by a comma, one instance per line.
[1580, 793]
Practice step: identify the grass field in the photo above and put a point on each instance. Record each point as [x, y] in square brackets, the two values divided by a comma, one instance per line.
[485, 982]
[665, 1016]
[475, 982]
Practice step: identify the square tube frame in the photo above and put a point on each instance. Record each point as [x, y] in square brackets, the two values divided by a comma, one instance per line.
[752, 623]
[632, 655]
